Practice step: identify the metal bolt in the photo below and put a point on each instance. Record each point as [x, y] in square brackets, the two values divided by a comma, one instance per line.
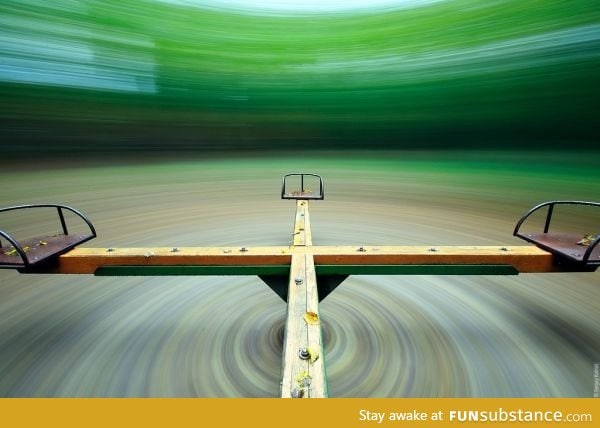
[110, 250]
[362, 250]
[174, 249]
[303, 354]
[433, 250]
[243, 249]
[503, 249]
[298, 281]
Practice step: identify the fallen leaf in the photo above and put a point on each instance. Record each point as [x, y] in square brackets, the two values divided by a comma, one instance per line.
[14, 251]
[303, 379]
[586, 240]
[311, 318]
[313, 353]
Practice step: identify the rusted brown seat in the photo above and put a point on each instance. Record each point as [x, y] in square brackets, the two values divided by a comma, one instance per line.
[26, 253]
[568, 247]
[302, 186]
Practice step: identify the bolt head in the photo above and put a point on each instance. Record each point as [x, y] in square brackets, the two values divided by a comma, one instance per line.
[303, 354]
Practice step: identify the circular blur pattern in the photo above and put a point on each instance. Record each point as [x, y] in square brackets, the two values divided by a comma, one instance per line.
[385, 336]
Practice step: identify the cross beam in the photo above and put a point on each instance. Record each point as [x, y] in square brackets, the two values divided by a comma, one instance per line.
[368, 260]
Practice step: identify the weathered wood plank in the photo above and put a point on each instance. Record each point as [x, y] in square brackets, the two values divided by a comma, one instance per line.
[302, 233]
[303, 377]
[295, 336]
[303, 371]
[526, 259]
[315, 337]
[88, 260]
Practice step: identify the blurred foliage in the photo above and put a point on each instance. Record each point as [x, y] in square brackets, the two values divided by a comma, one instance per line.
[142, 74]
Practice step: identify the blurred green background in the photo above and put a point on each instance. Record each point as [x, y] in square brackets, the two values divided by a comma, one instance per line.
[196, 75]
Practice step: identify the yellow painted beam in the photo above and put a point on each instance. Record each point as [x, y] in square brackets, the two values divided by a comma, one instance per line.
[525, 259]
[303, 371]
[88, 260]
[302, 233]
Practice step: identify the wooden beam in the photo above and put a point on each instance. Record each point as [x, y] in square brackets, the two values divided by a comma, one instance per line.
[525, 259]
[303, 371]
[302, 233]
[88, 260]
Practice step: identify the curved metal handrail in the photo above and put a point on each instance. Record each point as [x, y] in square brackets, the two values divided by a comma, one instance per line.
[26, 263]
[586, 256]
[549, 204]
[588, 252]
[59, 208]
[321, 194]
[17, 247]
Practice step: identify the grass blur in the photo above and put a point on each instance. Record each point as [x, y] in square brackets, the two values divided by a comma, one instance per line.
[168, 76]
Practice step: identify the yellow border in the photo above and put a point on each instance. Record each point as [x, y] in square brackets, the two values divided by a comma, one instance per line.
[290, 413]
